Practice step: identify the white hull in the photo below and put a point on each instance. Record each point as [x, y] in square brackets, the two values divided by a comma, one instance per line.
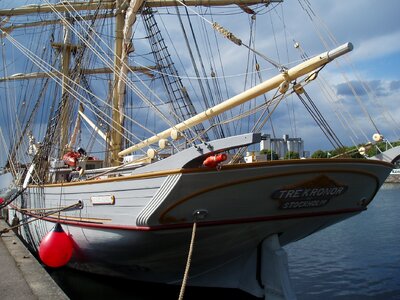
[145, 234]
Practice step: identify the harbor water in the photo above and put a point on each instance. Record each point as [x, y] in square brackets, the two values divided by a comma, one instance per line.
[358, 258]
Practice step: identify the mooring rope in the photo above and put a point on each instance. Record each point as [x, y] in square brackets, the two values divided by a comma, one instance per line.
[79, 204]
[15, 196]
[188, 262]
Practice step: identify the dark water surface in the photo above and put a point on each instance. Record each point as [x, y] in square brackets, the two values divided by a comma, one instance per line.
[358, 258]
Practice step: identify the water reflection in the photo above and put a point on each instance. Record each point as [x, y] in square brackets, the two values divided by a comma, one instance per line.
[81, 285]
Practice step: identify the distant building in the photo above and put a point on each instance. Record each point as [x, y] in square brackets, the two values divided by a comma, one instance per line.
[283, 145]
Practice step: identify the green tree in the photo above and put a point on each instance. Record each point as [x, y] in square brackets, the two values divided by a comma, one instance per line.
[340, 152]
[271, 154]
[292, 155]
[383, 146]
[319, 154]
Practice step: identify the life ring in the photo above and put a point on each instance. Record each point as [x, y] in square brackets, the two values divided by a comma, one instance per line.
[70, 158]
[213, 160]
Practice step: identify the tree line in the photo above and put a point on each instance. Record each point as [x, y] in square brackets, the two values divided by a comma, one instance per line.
[342, 152]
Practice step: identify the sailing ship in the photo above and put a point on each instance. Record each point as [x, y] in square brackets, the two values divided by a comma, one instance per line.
[133, 155]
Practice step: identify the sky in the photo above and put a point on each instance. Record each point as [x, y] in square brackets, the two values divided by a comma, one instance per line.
[374, 64]
[374, 30]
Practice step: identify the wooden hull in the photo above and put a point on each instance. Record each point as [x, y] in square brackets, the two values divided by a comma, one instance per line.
[144, 233]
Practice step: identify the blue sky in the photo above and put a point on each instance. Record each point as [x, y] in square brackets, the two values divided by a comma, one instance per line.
[373, 28]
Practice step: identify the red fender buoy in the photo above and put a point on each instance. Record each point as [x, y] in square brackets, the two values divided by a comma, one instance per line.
[213, 160]
[2, 200]
[55, 249]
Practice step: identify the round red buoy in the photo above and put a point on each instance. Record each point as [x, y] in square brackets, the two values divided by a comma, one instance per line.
[55, 249]
[1, 201]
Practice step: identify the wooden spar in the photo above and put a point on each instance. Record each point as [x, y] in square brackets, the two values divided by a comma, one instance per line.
[266, 86]
[8, 29]
[95, 128]
[110, 4]
[162, 3]
[35, 75]
[45, 8]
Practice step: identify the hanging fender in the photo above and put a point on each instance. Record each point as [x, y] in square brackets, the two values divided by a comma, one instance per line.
[213, 160]
[56, 248]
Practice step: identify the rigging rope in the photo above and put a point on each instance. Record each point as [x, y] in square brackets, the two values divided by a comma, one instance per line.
[219, 130]
[342, 111]
[180, 101]
[102, 56]
[320, 27]
[213, 52]
[230, 36]
[260, 122]
[193, 60]
[320, 120]
[267, 108]
[125, 79]
[55, 75]
[12, 199]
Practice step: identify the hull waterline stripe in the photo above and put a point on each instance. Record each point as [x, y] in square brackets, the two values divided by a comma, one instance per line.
[200, 224]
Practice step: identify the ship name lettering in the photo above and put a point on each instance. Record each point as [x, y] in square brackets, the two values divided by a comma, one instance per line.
[310, 192]
[304, 204]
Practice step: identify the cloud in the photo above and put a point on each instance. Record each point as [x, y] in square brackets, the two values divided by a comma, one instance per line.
[395, 85]
[380, 88]
[373, 30]
[377, 46]
[362, 88]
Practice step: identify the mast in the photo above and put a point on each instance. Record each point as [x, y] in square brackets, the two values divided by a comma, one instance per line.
[116, 128]
[77, 127]
[123, 47]
[66, 58]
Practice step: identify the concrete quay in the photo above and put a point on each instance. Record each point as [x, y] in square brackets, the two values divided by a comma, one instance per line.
[393, 178]
[21, 275]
